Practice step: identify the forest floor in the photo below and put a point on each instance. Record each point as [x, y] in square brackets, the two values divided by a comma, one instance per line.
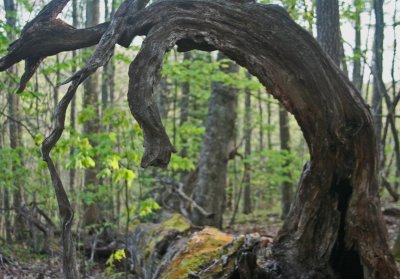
[17, 262]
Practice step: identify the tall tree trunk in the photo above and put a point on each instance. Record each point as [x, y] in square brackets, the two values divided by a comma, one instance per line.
[269, 122]
[14, 129]
[107, 74]
[184, 105]
[357, 77]
[72, 171]
[209, 190]
[261, 124]
[92, 126]
[396, 96]
[328, 28]
[247, 206]
[6, 203]
[284, 136]
[111, 63]
[377, 68]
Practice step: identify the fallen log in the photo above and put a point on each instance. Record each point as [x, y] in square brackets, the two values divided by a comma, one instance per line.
[173, 248]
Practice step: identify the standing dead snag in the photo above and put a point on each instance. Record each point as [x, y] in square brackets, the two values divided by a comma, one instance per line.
[335, 228]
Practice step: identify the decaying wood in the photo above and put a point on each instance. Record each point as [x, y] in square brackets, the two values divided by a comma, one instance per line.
[172, 248]
[335, 227]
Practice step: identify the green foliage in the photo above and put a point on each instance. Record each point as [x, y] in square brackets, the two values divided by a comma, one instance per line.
[179, 163]
[12, 168]
[4, 41]
[26, 4]
[147, 209]
[124, 175]
[117, 256]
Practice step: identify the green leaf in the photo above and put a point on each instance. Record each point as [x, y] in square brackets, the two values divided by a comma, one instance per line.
[119, 254]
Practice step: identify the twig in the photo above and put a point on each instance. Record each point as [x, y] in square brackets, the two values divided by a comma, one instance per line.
[20, 123]
[94, 245]
[390, 189]
[178, 188]
[192, 202]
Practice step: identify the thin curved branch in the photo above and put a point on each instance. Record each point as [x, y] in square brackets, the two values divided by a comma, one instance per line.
[20, 123]
[110, 38]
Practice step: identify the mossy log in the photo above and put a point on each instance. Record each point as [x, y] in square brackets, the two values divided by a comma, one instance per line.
[173, 248]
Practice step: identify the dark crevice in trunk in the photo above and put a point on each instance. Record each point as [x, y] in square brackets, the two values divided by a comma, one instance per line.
[345, 261]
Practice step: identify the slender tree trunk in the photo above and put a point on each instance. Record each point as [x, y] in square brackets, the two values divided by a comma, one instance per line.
[396, 95]
[72, 171]
[14, 129]
[377, 68]
[92, 126]
[184, 105]
[357, 77]
[6, 205]
[284, 136]
[209, 191]
[111, 63]
[106, 74]
[261, 124]
[247, 205]
[184, 117]
[269, 122]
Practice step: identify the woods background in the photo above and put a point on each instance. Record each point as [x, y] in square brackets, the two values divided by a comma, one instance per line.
[240, 154]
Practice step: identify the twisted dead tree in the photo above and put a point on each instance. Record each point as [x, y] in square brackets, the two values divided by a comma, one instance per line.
[335, 227]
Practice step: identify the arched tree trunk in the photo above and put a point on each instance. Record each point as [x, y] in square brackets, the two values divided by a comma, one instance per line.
[335, 227]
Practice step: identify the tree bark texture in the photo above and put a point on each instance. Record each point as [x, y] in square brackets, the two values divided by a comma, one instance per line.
[14, 129]
[184, 106]
[357, 75]
[209, 191]
[72, 171]
[377, 69]
[328, 28]
[335, 227]
[284, 136]
[247, 129]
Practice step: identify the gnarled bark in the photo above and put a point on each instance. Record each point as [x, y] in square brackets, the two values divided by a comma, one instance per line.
[334, 228]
